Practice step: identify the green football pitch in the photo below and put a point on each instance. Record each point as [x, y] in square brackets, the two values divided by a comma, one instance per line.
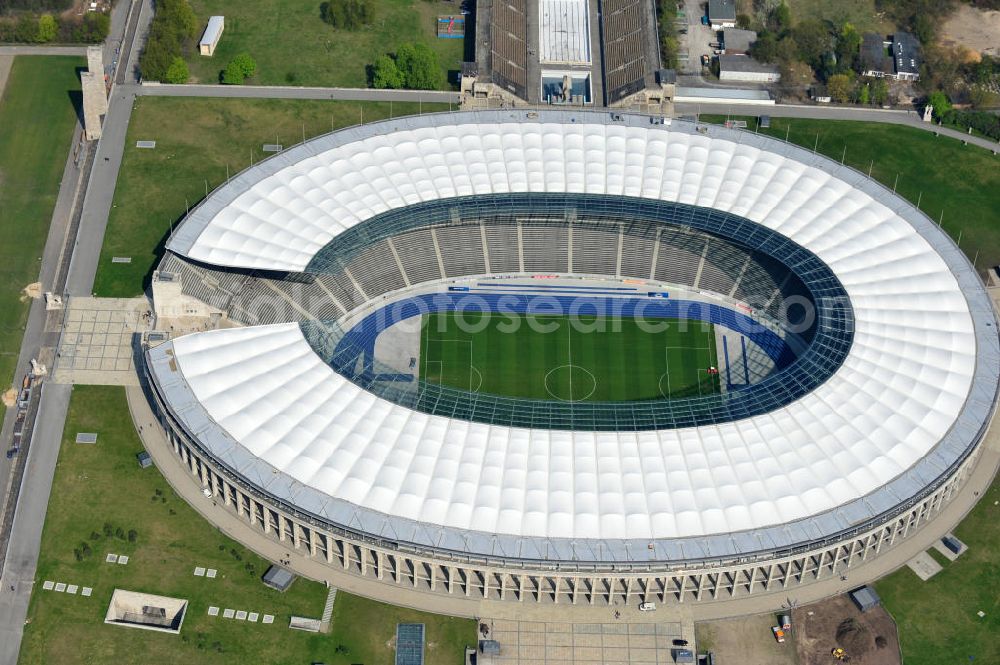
[568, 358]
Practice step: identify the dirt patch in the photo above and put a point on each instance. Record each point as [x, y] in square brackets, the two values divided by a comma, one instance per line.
[869, 638]
[31, 291]
[746, 640]
[975, 29]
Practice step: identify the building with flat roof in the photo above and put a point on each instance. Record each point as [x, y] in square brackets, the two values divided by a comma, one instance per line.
[213, 33]
[736, 41]
[722, 14]
[745, 68]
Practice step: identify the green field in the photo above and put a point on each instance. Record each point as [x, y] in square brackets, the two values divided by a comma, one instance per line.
[292, 46]
[99, 485]
[197, 141]
[568, 358]
[937, 619]
[955, 184]
[36, 126]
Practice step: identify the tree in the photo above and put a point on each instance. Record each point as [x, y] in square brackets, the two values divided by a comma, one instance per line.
[939, 102]
[47, 28]
[233, 74]
[246, 64]
[385, 73]
[848, 47]
[26, 29]
[177, 72]
[781, 18]
[813, 41]
[419, 65]
[880, 91]
[864, 95]
[839, 86]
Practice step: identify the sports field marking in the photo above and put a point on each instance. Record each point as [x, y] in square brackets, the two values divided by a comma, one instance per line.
[440, 363]
[572, 398]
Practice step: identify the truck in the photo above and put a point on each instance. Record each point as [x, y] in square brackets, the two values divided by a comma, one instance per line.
[779, 634]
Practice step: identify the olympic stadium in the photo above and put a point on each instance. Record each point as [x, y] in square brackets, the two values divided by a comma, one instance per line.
[571, 357]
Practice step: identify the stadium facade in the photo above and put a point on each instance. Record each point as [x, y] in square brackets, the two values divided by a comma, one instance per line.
[290, 416]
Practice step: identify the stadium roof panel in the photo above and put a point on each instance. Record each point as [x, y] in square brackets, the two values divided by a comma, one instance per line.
[874, 435]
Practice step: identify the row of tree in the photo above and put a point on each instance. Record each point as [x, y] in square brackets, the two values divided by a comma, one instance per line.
[670, 45]
[172, 33]
[413, 66]
[983, 122]
[92, 28]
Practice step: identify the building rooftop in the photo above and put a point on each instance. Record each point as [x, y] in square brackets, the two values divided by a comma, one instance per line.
[736, 40]
[212, 30]
[906, 53]
[873, 53]
[883, 427]
[744, 63]
[564, 31]
[722, 10]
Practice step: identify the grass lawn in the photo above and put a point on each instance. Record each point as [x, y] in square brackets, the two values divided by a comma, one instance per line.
[962, 182]
[937, 619]
[568, 358]
[862, 14]
[36, 126]
[293, 46]
[196, 138]
[102, 484]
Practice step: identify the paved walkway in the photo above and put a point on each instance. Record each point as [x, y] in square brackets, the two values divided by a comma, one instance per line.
[288, 92]
[26, 534]
[562, 643]
[857, 114]
[100, 339]
[27, 49]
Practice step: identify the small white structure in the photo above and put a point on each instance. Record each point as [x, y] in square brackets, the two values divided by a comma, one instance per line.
[213, 33]
[133, 609]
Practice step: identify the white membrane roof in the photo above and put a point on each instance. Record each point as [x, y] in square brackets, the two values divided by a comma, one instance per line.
[564, 32]
[893, 418]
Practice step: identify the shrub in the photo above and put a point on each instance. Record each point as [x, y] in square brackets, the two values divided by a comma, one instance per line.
[239, 69]
[177, 72]
[85, 548]
[77, 554]
[47, 28]
[385, 73]
[347, 14]
[94, 535]
[108, 529]
[133, 535]
[120, 533]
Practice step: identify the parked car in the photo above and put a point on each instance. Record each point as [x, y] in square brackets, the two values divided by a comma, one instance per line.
[647, 607]
[704, 20]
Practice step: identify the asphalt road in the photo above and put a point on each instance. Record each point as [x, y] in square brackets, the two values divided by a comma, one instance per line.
[285, 92]
[22, 556]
